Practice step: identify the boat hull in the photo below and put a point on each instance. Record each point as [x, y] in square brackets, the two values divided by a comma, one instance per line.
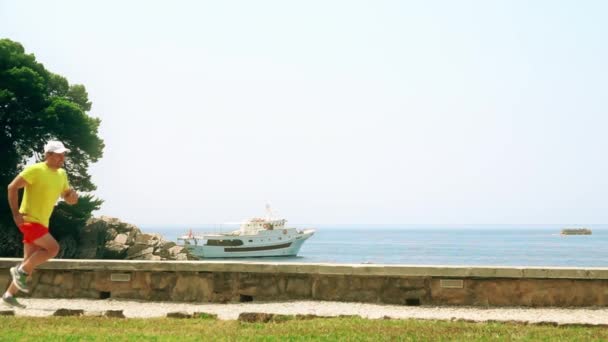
[283, 248]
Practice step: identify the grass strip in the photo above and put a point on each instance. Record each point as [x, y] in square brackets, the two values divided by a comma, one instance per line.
[321, 329]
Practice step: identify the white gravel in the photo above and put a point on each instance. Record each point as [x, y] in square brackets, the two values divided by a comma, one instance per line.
[137, 309]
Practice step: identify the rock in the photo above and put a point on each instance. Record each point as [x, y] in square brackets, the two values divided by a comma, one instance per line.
[157, 240]
[175, 250]
[109, 238]
[282, 318]
[149, 257]
[179, 314]
[163, 254]
[255, 317]
[131, 237]
[114, 314]
[153, 240]
[168, 244]
[138, 251]
[111, 234]
[121, 239]
[169, 250]
[115, 250]
[128, 228]
[68, 312]
[142, 239]
[110, 221]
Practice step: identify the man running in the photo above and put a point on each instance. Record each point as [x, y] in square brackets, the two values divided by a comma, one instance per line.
[44, 183]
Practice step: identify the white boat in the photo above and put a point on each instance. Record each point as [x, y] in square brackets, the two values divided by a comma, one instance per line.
[256, 237]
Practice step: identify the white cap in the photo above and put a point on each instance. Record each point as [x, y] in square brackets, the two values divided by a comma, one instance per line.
[55, 146]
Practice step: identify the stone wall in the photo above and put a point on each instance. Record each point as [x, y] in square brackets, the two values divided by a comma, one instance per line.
[228, 281]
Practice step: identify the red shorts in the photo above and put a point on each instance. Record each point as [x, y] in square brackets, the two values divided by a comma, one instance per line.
[32, 231]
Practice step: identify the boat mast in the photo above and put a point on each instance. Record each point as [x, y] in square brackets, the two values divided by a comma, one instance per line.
[269, 214]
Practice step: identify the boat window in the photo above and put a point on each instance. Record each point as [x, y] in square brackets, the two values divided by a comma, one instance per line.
[235, 242]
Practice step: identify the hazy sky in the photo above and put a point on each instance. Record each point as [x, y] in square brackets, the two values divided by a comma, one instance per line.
[337, 111]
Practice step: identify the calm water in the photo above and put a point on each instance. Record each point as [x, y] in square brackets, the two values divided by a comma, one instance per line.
[504, 245]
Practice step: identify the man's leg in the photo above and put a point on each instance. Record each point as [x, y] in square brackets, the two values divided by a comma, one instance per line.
[8, 297]
[28, 250]
[46, 248]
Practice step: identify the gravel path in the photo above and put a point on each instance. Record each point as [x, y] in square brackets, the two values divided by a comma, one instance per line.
[136, 309]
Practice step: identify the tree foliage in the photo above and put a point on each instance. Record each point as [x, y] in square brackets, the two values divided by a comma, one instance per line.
[36, 106]
[67, 220]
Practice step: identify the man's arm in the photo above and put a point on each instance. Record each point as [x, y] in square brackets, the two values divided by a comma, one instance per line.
[13, 198]
[70, 196]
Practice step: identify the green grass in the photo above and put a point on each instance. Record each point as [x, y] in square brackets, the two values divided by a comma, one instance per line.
[323, 329]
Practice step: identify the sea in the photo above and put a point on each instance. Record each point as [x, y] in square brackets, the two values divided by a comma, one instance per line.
[473, 245]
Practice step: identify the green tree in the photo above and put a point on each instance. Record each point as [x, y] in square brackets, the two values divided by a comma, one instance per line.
[36, 106]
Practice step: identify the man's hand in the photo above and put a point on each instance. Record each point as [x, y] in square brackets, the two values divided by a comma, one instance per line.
[18, 218]
[71, 197]
[13, 198]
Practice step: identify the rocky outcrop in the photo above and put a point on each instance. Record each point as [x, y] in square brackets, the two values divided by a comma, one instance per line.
[109, 238]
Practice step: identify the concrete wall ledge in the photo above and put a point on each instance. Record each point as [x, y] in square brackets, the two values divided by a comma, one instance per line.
[436, 271]
[221, 281]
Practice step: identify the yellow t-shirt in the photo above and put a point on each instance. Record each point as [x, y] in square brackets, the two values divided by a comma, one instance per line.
[44, 188]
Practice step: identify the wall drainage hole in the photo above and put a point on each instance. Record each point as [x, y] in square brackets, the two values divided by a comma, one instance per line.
[246, 298]
[104, 295]
[412, 302]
